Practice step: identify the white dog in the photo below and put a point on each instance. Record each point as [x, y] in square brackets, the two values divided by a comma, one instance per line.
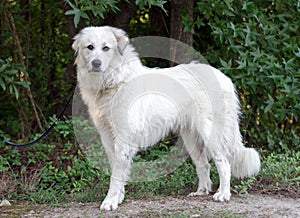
[134, 107]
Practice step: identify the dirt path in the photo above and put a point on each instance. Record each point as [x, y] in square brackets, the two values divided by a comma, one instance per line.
[252, 206]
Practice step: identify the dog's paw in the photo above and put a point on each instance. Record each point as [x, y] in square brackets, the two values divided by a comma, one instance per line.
[222, 196]
[109, 204]
[198, 193]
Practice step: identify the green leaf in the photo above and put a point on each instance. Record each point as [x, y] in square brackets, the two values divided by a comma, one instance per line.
[242, 64]
[72, 5]
[270, 104]
[10, 87]
[150, 3]
[12, 72]
[76, 18]
[199, 22]
[3, 67]
[298, 53]
[23, 84]
[71, 12]
[84, 15]
[2, 84]
[287, 89]
[16, 91]
[225, 64]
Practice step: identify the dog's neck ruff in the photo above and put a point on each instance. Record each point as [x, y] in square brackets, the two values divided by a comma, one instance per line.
[121, 69]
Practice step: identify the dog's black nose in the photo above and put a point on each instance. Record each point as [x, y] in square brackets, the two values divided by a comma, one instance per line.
[96, 63]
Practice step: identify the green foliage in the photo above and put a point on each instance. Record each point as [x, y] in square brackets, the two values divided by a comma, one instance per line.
[149, 3]
[46, 48]
[157, 151]
[49, 173]
[64, 128]
[257, 44]
[281, 170]
[10, 77]
[85, 9]
[182, 181]
[242, 188]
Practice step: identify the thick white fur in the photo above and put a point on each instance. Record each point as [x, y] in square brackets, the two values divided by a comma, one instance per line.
[127, 122]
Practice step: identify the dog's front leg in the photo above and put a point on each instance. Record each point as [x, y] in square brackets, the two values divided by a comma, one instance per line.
[115, 194]
[120, 164]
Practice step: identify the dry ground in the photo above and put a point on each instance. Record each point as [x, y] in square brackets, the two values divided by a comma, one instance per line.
[255, 205]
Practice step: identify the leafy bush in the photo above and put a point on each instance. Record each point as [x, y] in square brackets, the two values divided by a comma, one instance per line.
[10, 77]
[57, 171]
[281, 170]
[53, 173]
[256, 43]
[87, 10]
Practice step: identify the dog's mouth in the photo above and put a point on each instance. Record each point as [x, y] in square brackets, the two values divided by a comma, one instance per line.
[95, 70]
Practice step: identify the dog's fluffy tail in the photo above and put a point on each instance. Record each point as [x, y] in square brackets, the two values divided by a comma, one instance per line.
[245, 161]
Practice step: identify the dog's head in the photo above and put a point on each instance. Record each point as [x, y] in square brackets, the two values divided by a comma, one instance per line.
[97, 47]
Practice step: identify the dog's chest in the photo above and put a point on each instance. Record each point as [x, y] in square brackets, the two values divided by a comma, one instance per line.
[101, 107]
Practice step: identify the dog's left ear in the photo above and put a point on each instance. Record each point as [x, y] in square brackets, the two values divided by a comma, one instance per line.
[122, 39]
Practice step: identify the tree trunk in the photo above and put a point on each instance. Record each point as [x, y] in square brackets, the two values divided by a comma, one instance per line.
[69, 76]
[23, 76]
[70, 20]
[180, 8]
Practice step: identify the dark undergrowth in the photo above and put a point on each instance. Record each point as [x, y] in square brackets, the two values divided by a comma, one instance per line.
[60, 172]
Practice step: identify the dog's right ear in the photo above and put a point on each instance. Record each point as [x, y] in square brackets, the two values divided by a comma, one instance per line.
[75, 45]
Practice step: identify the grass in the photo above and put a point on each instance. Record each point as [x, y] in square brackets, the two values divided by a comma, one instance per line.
[70, 178]
[52, 185]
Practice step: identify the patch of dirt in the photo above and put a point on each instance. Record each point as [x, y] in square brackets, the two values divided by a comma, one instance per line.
[255, 205]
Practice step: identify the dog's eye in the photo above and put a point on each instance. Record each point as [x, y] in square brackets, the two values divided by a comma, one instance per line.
[105, 48]
[90, 47]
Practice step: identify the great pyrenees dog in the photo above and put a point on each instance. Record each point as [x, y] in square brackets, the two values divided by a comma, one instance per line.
[134, 107]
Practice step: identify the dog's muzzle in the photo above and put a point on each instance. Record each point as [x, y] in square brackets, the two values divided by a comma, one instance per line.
[96, 65]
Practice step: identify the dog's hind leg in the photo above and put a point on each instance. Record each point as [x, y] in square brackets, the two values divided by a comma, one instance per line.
[199, 156]
[214, 146]
[223, 167]
[203, 173]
